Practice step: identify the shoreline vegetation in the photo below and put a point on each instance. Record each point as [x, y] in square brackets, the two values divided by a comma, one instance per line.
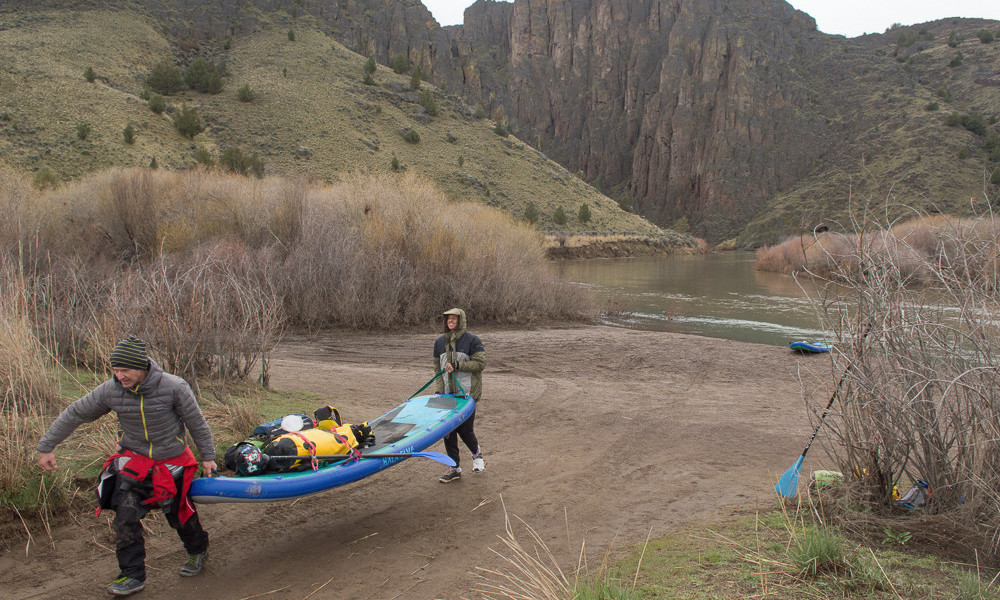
[597, 245]
[920, 249]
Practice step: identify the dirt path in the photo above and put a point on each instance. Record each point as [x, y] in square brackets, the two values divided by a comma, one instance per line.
[604, 431]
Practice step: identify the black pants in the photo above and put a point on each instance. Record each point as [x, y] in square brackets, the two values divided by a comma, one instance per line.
[130, 547]
[468, 434]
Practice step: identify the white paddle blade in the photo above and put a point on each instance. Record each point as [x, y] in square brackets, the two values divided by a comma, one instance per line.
[788, 484]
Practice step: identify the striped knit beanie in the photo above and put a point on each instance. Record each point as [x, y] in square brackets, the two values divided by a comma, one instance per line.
[130, 353]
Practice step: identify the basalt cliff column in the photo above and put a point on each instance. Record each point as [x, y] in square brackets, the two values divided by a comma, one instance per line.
[692, 106]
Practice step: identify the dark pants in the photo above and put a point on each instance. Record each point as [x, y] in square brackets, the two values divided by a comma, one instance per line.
[130, 546]
[467, 432]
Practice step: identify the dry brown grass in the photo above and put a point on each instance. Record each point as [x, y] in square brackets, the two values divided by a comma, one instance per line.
[28, 391]
[531, 571]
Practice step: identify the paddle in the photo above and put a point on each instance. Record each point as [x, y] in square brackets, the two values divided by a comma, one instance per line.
[437, 456]
[788, 484]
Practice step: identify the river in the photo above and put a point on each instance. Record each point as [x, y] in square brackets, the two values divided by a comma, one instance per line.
[717, 295]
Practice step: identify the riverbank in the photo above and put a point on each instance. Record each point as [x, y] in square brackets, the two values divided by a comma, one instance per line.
[620, 245]
[602, 434]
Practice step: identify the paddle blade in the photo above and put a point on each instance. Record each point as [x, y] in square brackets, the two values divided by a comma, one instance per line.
[441, 458]
[444, 459]
[788, 484]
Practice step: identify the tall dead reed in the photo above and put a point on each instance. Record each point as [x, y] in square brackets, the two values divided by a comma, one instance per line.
[916, 313]
[26, 387]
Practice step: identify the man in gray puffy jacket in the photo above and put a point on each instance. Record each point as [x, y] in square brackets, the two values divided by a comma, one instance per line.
[154, 467]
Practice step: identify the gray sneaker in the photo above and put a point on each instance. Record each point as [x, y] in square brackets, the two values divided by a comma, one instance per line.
[123, 586]
[194, 564]
[452, 474]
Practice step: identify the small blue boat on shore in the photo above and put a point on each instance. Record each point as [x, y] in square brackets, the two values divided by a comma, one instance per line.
[810, 347]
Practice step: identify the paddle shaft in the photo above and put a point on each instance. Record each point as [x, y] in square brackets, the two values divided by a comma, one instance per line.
[836, 391]
[441, 458]
[347, 456]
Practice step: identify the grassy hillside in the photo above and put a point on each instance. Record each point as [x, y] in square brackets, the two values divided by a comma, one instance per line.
[887, 100]
[312, 115]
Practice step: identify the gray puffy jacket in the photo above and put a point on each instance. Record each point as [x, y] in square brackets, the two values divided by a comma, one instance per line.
[151, 418]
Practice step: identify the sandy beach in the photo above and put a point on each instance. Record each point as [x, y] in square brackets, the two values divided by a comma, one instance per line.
[591, 433]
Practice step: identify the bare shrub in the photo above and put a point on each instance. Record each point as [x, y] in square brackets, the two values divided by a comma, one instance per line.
[124, 214]
[381, 251]
[215, 313]
[808, 253]
[787, 257]
[910, 246]
[209, 267]
[915, 315]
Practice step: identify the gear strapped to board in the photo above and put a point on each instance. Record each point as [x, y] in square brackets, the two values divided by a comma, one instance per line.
[292, 443]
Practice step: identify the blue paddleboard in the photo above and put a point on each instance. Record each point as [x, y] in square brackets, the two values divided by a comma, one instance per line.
[410, 427]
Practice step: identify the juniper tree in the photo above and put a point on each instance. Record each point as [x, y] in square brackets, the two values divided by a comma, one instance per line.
[559, 216]
[165, 78]
[187, 122]
[531, 213]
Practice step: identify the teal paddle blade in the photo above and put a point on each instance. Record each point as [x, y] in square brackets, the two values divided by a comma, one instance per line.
[788, 484]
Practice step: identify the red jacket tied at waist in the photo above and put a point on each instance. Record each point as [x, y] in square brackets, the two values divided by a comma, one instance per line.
[138, 467]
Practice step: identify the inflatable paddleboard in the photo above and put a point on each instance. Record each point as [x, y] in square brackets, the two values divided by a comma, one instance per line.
[410, 427]
[810, 346]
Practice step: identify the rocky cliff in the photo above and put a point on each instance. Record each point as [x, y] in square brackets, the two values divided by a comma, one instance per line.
[690, 106]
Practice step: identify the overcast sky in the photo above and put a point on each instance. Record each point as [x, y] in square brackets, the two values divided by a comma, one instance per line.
[845, 17]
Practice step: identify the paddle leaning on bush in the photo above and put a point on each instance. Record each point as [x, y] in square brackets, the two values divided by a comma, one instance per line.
[788, 483]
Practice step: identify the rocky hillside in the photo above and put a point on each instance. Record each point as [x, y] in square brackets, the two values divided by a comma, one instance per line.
[734, 117]
[311, 114]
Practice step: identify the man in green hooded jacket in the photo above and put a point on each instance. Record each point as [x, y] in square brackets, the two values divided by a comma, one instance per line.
[461, 355]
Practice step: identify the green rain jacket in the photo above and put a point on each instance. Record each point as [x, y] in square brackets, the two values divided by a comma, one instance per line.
[465, 351]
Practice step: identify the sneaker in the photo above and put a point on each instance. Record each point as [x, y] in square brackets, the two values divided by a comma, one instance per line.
[478, 464]
[194, 564]
[452, 474]
[123, 586]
